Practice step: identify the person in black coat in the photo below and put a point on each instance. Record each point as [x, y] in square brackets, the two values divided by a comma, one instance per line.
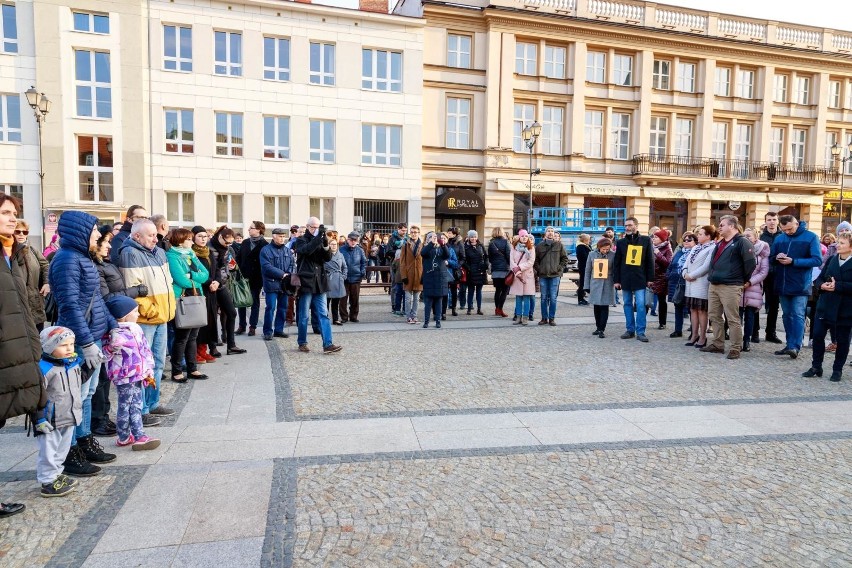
[248, 259]
[208, 336]
[582, 251]
[222, 260]
[498, 253]
[434, 257]
[476, 264]
[312, 253]
[633, 272]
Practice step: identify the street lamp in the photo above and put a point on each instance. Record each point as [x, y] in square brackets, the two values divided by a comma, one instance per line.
[836, 151]
[41, 106]
[531, 134]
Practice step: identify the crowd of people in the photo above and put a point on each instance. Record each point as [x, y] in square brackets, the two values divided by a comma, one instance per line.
[113, 305]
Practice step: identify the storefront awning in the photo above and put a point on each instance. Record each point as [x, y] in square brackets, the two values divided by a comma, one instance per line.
[791, 198]
[605, 189]
[538, 186]
[460, 202]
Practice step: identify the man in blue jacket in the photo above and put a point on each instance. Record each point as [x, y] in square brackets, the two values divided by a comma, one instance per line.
[276, 263]
[356, 263]
[794, 255]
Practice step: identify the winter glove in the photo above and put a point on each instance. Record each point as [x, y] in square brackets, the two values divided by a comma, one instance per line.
[142, 291]
[321, 231]
[44, 426]
[93, 355]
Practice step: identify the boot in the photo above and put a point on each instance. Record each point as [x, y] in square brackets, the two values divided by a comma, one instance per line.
[77, 465]
[207, 356]
[93, 451]
[496, 311]
[524, 320]
[455, 313]
[517, 320]
[199, 355]
[746, 345]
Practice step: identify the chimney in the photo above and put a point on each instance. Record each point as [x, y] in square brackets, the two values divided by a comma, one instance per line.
[380, 6]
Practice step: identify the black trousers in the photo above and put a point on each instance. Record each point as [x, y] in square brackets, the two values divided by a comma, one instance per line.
[185, 347]
[662, 307]
[501, 292]
[433, 306]
[581, 293]
[842, 334]
[100, 400]
[227, 315]
[601, 316]
[773, 302]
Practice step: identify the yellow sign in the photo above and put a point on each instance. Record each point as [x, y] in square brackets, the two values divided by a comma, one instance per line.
[634, 255]
[600, 268]
[836, 195]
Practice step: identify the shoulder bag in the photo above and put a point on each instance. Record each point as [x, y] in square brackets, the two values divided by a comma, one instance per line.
[191, 311]
[238, 285]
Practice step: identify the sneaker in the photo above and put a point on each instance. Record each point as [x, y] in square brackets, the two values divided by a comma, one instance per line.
[93, 450]
[304, 348]
[149, 420]
[69, 481]
[104, 430]
[628, 335]
[59, 488]
[77, 465]
[641, 337]
[145, 443]
[267, 337]
[162, 411]
[126, 442]
[596, 332]
[331, 349]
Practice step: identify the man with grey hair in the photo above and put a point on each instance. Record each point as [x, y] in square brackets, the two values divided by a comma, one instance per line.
[550, 262]
[312, 253]
[162, 226]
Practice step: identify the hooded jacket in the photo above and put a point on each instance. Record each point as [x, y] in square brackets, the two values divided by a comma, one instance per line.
[62, 384]
[753, 295]
[803, 247]
[151, 268]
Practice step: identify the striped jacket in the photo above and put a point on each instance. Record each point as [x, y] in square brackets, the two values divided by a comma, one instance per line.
[151, 268]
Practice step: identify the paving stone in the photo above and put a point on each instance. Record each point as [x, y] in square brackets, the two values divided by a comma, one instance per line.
[240, 553]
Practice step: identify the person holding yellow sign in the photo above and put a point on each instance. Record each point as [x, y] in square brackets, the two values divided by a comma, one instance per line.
[633, 272]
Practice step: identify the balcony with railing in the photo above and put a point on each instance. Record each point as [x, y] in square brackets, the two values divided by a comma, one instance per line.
[648, 165]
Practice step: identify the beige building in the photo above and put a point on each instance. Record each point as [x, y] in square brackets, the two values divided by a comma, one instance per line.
[677, 115]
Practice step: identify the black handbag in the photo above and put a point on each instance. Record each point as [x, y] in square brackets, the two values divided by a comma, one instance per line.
[679, 293]
[51, 308]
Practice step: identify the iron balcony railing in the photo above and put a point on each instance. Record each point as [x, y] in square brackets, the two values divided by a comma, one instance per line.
[692, 166]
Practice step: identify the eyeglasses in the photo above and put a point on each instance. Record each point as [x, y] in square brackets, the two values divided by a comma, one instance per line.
[20, 232]
[688, 239]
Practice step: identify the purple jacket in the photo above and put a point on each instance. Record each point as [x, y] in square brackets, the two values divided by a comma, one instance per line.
[753, 295]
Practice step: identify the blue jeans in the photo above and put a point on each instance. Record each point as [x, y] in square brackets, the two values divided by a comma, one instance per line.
[531, 307]
[522, 305]
[794, 320]
[276, 311]
[254, 310]
[86, 394]
[317, 305]
[678, 315]
[635, 321]
[156, 336]
[549, 292]
[397, 295]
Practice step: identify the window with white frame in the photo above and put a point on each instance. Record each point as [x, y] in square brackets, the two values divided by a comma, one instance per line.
[458, 123]
[525, 58]
[776, 145]
[831, 139]
[16, 191]
[276, 58]
[620, 136]
[742, 142]
[834, 94]
[8, 29]
[554, 61]
[719, 150]
[276, 137]
[180, 130]
[381, 145]
[177, 48]
[684, 127]
[322, 63]
[779, 88]
[659, 136]
[322, 141]
[662, 74]
[229, 210]
[180, 207]
[228, 51]
[92, 23]
[803, 90]
[745, 84]
[323, 209]
[593, 135]
[686, 77]
[229, 134]
[723, 81]
[622, 68]
[458, 51]
[276, 211]
[94, 169]
[93, 84]
[523, 117]
[800, 137]
[551, 130]
[381, 70]
[596, 67]
[10, 118]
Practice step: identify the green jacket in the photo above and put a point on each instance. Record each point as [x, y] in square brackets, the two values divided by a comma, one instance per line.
[187, 272]
[550, 258]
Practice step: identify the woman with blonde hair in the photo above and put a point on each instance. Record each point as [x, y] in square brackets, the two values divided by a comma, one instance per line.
[521, 261]
[36, 274]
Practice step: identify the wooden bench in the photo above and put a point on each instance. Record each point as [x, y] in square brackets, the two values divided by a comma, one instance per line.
[380, 270]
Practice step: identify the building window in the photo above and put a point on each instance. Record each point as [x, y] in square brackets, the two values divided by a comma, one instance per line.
[831, 139]
[554, 62]
[323, 209]
[662, 74]
[458, 123]
[551, 130]
[524, 116]
[276, 211]
[848, 103]
[593, 138]
[381, 145]
[525, 58]
[458, 51]
[8, 28]
[10, 118]
[720, 141]
[800, 137]
[229, 210]
[276, 137]
[177, 48]
[622, 66]
[779, 91]
[723, 81]
[322, 63]
[229, 134]
[776, 145]
[686, 77]
[229, 56]
[596, 67]
[179, 131]
[95, 168]
[834, 94]
[92, 23]
[659, 136]
[93, 84]
[381, 70]
[180, 207]
[683, 137]
[742, 144]
[322, 141]
[803, 90]
[745, 84]
[16, 191]
[276, 58]
[620, 136]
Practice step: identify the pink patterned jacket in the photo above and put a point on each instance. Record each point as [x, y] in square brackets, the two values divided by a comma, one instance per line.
[128, 356]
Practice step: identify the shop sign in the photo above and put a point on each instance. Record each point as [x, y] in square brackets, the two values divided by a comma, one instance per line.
[605, 190]
[737, 196]
[460, 202]
[663, 193]
[836, 195]
[539, 186]
[788, 199]
[733, 205]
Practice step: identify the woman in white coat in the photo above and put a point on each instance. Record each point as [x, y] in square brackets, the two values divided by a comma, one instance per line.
[521, 261]
[695, 271]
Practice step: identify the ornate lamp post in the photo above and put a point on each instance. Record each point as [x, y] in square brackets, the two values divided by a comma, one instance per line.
[836, 151]
[41, 106]
[531, 134]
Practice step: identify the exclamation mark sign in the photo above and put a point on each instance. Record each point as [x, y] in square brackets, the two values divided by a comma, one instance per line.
[600, 270]
[633, 254]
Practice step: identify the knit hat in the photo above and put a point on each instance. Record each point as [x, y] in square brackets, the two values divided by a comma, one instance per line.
[198, 229]
[472, 233]
[52, 336]
[844, 226]
[120, 306]
[662, 234]
[523, 233]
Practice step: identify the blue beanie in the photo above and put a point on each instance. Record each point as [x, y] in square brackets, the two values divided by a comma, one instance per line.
[120, 306]
[844, 226]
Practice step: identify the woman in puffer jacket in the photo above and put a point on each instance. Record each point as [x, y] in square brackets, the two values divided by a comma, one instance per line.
[753, 289]
[662, 260]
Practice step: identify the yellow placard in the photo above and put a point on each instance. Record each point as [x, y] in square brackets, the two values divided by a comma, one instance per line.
[600, 268]
[634, 255]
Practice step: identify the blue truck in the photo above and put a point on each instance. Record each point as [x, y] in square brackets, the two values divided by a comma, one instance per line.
[571, 223]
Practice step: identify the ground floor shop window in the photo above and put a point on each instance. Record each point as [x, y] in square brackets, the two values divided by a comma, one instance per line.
[379, 216]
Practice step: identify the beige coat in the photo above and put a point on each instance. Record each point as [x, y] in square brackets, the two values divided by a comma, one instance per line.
[411, 266]
[521, 263]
